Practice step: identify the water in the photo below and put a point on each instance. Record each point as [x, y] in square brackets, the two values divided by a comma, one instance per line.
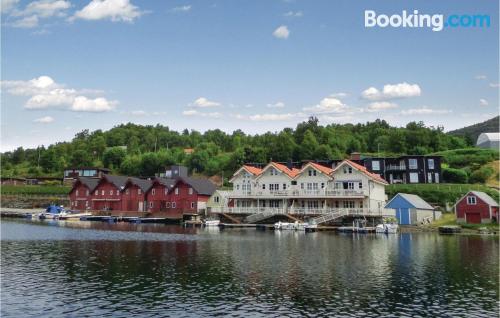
[121, 270]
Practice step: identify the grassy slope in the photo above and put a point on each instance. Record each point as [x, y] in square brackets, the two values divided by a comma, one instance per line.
[493, 181]
[35, 189]
[473, 131]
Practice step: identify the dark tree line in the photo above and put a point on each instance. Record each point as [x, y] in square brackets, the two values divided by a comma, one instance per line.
[144, 150]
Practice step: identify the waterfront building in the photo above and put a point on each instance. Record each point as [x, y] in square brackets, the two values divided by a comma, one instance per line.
[80, 195]
[476, 207]
[411, 209]
[133, 196]
[107, 195]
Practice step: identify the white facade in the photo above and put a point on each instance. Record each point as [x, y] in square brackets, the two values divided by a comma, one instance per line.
[314, 189]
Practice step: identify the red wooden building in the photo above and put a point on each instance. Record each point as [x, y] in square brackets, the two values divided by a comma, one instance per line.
[476, 207]
[134, 194]
[80, 196]
[178, 197]
[107, 194]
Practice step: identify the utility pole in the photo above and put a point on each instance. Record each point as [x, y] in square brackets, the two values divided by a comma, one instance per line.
[38, 161]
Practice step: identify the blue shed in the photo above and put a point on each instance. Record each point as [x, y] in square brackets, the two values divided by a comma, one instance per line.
[411, 209]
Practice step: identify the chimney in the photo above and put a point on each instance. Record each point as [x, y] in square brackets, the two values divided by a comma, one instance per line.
[355, 156]
[289, 164]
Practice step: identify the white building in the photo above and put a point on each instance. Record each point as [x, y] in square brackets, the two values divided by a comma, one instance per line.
[488, 140]
[314, 190]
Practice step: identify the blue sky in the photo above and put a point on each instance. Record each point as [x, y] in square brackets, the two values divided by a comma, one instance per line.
[252, 65]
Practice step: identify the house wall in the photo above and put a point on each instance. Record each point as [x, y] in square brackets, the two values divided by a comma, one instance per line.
[157, 202]
[481, 207]
[106, 197]
[184, 202]
[80, 197]
[267, 179]
[133, 198]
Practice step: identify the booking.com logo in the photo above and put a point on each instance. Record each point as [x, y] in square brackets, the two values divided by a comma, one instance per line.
[416, 20]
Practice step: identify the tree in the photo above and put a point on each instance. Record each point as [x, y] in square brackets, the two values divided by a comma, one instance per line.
[308, 146]
[113, 157]
[81, 158]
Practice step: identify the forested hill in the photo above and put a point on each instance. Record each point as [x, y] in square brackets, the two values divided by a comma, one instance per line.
[470, 133]
[145, 150]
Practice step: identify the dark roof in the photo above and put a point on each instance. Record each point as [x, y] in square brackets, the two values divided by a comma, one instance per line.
[87, 168]
[90, 183]
[117, 181]
[169, 183]
[486, 198]
[141, 183]
[202, 186]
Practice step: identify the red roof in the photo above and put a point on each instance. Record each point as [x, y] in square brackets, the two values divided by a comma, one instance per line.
[290, 172]
[365, 171]
[321, 168]
[253, 170]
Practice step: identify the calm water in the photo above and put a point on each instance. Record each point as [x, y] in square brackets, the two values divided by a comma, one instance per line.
[121, 270]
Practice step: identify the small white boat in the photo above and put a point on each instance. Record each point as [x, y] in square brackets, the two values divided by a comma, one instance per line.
[296, 226]
[387, 228]
[211, 222]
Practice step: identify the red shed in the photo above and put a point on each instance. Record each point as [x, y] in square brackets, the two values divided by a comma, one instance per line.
[476, 207]
[108, 193]
[158, 195]
[134, 194]
[80, 196]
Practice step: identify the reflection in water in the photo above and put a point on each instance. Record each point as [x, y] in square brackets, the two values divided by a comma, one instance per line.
[126, 269]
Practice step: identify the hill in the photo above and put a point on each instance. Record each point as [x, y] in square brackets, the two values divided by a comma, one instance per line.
[470, 133]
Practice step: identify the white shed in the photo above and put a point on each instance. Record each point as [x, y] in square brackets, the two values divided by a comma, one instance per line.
[488, 140]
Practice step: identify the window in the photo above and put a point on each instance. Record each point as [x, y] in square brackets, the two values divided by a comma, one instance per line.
[76, 192]
[191, 191]
[312, 204]
[237, 187]
[153, 192]
[87, 193]
[192, 205]
[413, 163]
[312, 173]
[350, 185]
[110, 192]
[166, 191]
[167, 205]
[97, 193]
[151, 204]
[360, 185]
[376, 165]
[436, 177]
[413, 177]
[263, 186]
[348, 204]
[322, 185]
[471, 200]
[139, 191]
[117, 192]
[430, 163]
[429, 177]
[273, 172]
[337, 204]
[294, 182]
[360, 204]
[302, 185]
[102, 192]
[173, 205]
[284, 186]
[216, 199]
[176, 191]
[86, 204]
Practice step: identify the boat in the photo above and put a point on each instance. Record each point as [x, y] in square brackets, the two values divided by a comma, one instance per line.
[211, 222]
[53, 212]
[387, 228]
[296, 226]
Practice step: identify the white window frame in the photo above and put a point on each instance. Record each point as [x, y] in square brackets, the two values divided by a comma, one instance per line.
[76, 192]
[376, 165]
[429, 165]
[102, 192]
[153, 191]
[139, 191]
[191, 191]
[413, 166]
[192, 205]
[471, 200]
[174, 205]
[176, 191]
[413, 174]
[151, 204]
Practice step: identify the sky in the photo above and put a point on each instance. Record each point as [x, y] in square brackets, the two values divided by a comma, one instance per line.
[257, 65]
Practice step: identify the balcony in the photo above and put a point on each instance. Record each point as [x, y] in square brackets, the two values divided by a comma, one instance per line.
[395, 168]
[307, 211]
[300, 193]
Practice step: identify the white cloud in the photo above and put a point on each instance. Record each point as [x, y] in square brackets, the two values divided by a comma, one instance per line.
[204, 102]
[26, 22]
[114, 10]
[100, 104]
[424, 110]
[339, 95]
[45, 93]
[276, 105]
[7, 5]
[328, 105]
[480, 77]
[483, 102]
[44, 120]
[336, 119]
[185, 8]
[494, 85]
[30, 16]
[281, 32]
[294, 14]
[193, 112]
[392, 91]
[274, 117]
[380, 106]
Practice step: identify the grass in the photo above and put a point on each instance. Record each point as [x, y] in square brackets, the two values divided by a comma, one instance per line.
[450, 219]
[35, 189]
[493, 181]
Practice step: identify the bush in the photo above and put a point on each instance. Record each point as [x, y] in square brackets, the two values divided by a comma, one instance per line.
[452, 175]
[481, 175]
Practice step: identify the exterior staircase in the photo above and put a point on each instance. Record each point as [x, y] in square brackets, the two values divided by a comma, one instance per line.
[329, 217]
[263, 215]
[234, 220]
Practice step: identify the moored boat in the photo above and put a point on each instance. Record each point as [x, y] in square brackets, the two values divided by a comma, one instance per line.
[387, 228]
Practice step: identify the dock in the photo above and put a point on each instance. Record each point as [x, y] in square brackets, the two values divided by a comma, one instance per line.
[449, 229]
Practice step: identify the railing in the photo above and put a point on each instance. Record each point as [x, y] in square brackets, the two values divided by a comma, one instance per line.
[396, 167]
[302, 193]
[307, 211]
[264, 215]
[251, 210]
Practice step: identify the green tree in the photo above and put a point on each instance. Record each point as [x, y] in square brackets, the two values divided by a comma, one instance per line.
[113, 157]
